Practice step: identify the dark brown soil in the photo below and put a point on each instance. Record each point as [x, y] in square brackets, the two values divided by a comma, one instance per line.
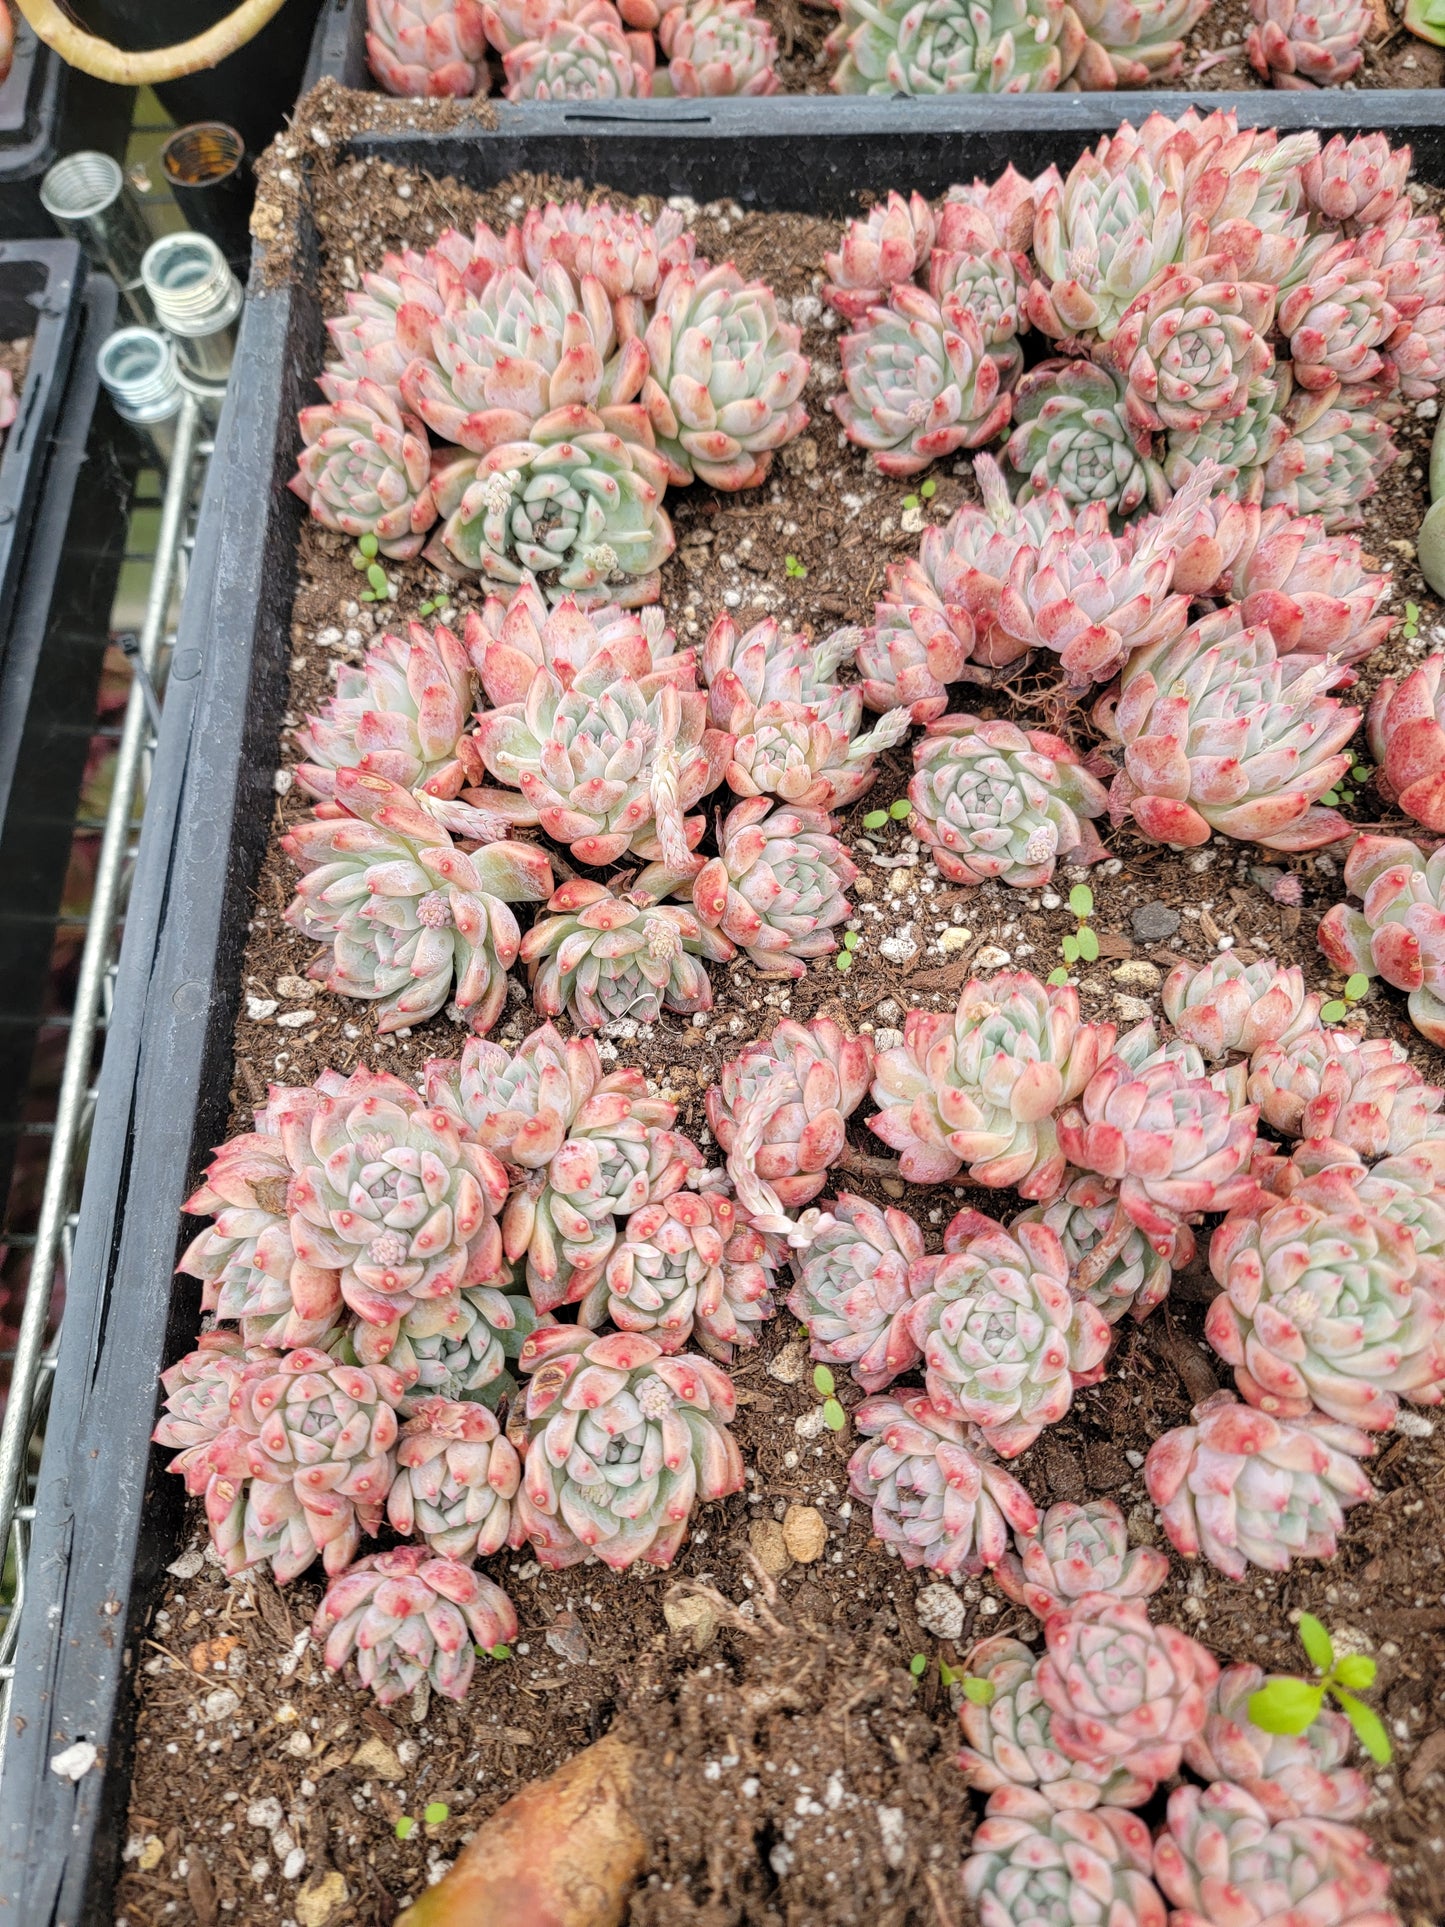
[749, 1737]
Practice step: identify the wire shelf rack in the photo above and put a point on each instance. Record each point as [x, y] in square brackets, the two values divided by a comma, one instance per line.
[41, 1213]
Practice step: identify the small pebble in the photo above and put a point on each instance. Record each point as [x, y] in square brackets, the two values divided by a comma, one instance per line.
[940, 1611]
[804, 1534]
[992, 957]
[1154, 922]
[1139, 974]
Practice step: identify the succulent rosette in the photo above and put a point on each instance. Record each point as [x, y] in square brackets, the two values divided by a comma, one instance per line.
[980, 1086]
[1226, 1006]
[1191, 347]
[1152, 1123]
[1244, 446]
[407, 916]
[977, 260]
[1315, 596]
[624, 250]
[769, 664]
[1293, 1776]
[365, 469]
[1102, 234]
[1327, 1303]
[304, 1467]
[572, 504]
[1246, 1489]
[1360, 1092]
[460, 1346]
[1133, 43]
[675, 1274]
[853, 1287]
[586, 55]
[778, 1110]
[197, 1390]
[1072, 433]
[717, 47]
[388, 1193]
[1221, 733]
[602, 958]
[1338, 320]
[590, 1148]
[510, 643]
[1010, 1739]
[993, 800]
[1407, 741]
[249, 1268]
[608, 766]
[1398, 932]
[1357, 182]
[936, 1501]
[426, 49]
[408, 1618]
[1036, 1862]
[919, 382]
[775, 889]
[621, 1442]
[944, 47]
[888, 244]
[402, 714]
[1308, 43]
[1219, 1838]
[1004, 1341]
[1134, 1277]
[915, 646]
[1075, 1550]
[1335, 450]
[723, 394]
[456, 1479]
[811, 755]
[1123, 1689]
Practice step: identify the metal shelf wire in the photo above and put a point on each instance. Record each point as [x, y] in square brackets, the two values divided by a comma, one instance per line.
[43, 1238]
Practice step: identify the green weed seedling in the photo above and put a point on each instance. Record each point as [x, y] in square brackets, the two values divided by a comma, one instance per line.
[1287, 1705]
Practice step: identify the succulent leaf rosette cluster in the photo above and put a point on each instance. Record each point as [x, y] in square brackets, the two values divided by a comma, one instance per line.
[526, 398]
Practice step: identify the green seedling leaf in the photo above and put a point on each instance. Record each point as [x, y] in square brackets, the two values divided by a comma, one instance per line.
[979, 1692]
[1356, 1670]
[499, 1652]
[918, 1665]
[1369, 1727]
[824, 1383]
[875, 819]
[1357, 986]
[834, 1417]
[1081, 900]
[1285, 1705]
[1088, 944]
[1362, 772]
[794, 567]
[358, 560]
[436, 1812]
[911, 502]
[1412, 612]
[369, 547]
[1330, 796]
[946, 1672]
[899, 808]
[850, 939]
[376, 576]
[1316, 1642]
[1072, 949]
[1333, 1011]
[929, 489]
[843, 960]
[405, 1827]
[1059, 976]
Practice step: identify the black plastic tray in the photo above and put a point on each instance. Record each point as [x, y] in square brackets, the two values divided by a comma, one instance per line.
[47, 110]
[108, 1517]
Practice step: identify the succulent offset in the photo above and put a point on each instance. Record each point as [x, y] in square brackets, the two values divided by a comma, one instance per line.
[717, 47]
[432, 49]
[509, 642]
[1327, 1303]
[981, 1086]
[946, 47]
[365, 469]
[409, 918]
[1360, 1092]
[937, 1501]
[408, 1618]
[1398, 932]
[1035, 1862]
[1226, 1006]
[1004, 1340]
[675, 1274]
[620, 1443]
[1308, 43]
[1072, 433]
[1133, 1277]
[853, 1287]
[775, 889]
[586, 55]
[994, 800]
[456, 1479]
[1246, 1489]
[1075, 1550]
[1407, 741]
[602, 958]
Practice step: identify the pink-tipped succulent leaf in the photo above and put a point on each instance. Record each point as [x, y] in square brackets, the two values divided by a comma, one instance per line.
[1078, 1549]
[409, 1618]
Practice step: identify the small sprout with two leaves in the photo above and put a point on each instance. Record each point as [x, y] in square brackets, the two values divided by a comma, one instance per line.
[379, 586]
[834, 1417]
[1081, 945]
[844, 958]
[948, 1676]
[1410, 627]
[879, 819]
[925, 494]
[435, 605]
[1287, 1705]
[794, 568]
[1346, 792]
[493, 1652]
[1339, 1008]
